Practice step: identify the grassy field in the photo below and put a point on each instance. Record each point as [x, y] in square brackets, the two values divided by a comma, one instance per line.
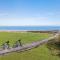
[40, 53]
[25, 37]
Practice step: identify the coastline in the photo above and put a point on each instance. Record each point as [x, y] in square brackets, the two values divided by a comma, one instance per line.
[36, 31]
[13, 30]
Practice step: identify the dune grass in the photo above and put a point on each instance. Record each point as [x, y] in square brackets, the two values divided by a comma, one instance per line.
[40, 53]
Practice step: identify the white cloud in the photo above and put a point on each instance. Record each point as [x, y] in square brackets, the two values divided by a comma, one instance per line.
[33, 18]
[34, 21]
[21, 21]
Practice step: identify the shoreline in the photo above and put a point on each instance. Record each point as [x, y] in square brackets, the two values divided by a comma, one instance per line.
[13, 30]
[41, 31]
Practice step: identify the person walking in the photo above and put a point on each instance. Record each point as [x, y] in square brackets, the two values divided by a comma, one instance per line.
[17, 44]
[6, 45]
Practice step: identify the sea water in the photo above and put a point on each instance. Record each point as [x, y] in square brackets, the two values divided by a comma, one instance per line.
[29, 27]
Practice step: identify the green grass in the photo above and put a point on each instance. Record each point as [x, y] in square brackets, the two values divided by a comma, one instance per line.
[25, 37]
[40, 53]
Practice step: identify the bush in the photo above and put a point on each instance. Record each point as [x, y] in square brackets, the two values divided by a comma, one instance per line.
[54, 46]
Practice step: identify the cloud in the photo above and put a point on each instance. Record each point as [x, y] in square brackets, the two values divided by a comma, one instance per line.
[21, 21]
[32, 18]
[31, 21]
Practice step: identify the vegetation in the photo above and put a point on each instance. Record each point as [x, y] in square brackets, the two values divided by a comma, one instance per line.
[25, 37]
[54, 46]
[40, 53]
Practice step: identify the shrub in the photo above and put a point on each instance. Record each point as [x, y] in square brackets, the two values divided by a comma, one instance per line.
[54, 46]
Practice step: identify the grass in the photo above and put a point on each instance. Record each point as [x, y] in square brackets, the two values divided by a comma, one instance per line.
[40, 53]
[25, 37]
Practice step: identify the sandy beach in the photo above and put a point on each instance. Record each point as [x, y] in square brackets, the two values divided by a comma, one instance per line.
[13, 30]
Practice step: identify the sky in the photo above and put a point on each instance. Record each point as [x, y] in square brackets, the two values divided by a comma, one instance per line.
[29, 12]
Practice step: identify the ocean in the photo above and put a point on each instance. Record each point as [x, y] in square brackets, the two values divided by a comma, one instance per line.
[30, 28]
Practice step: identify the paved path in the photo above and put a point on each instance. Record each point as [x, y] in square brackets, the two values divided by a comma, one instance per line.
[27, 46]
